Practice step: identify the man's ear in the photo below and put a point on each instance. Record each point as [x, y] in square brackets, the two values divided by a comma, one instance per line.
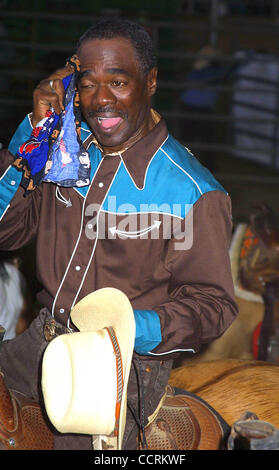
[152, 81]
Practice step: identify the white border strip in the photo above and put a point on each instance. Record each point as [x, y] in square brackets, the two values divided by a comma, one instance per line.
[7, 207]
[172, 351]
[96, 239]
[5, 172]
[4, 212]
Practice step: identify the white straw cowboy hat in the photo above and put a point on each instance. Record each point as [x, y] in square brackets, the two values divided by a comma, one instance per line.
[85, 374]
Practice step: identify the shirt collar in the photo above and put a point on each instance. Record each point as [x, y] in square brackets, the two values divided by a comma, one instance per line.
[137, 157]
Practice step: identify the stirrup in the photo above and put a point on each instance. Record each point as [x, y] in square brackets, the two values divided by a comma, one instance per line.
[183, 422]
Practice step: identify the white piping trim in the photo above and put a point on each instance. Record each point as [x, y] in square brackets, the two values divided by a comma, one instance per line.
[4, 174]
[184, 171]
[173, 351]
[86, 270]
[149, 163]
[76, 189]
[4, 212]
[85, 273]
[7, 169]
[93, 250]
[76, 245]
[30, 115]
[70, 261]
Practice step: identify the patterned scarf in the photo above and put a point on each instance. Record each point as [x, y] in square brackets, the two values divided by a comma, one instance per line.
[54, 151]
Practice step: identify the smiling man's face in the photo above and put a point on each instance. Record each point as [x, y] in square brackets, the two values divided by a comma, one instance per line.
[115, 96]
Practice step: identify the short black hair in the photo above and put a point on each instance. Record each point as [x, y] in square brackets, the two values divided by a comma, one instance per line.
[108, 28]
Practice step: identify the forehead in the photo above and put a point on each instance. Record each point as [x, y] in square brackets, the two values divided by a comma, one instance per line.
[118, 52]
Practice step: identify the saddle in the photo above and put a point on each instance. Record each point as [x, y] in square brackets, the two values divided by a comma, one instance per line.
[183, 421]
[22, 425]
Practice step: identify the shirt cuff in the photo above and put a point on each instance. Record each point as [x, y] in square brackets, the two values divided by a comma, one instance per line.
[22, 133]
[9, 183]
[148, 331]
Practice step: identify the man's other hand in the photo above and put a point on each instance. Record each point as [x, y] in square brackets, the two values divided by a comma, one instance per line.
[49, 94]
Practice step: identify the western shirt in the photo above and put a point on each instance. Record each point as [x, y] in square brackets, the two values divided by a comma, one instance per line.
[153, 222]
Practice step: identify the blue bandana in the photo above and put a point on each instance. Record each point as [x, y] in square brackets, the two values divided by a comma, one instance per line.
[54, 151]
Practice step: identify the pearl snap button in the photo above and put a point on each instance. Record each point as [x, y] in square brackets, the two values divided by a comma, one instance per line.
[61, 310]
[101, 185]
[13, 182]
[77, 268]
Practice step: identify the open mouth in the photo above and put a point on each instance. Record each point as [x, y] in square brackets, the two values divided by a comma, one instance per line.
[108, 123]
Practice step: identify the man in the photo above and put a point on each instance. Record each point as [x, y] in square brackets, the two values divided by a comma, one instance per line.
[152, 222]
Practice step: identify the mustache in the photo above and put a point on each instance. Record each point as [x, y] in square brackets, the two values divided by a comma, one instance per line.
[107, 109]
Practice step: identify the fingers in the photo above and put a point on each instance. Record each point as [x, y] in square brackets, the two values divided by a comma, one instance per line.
[45, 98]
[62, 73]
[49, 94]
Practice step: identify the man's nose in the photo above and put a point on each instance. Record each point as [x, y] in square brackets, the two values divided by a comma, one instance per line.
[104, 96]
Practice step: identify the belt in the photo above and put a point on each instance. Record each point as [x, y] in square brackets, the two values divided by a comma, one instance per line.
[53, 329]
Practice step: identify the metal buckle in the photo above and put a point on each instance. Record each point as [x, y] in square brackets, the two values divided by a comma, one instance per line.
[49, 329]
[53, 329]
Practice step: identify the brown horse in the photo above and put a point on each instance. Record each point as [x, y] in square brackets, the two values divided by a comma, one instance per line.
[233, 387]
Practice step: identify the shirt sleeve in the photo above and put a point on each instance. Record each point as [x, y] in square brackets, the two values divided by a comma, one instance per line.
[148, 331]
[22, 133]
[19, 215]
[201, 304]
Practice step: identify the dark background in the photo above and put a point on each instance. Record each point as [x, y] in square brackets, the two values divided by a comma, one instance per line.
[36, 36]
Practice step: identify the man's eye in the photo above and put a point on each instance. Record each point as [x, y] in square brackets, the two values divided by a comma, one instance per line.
[119, 83]
[86, 85]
